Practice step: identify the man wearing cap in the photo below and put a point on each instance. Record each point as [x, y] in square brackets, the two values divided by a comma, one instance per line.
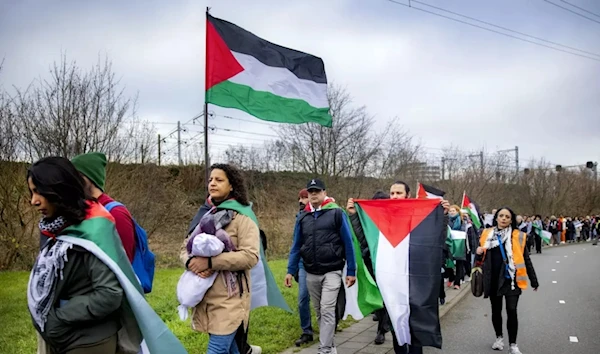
[92, 167]
[303, 296]
[323, 241]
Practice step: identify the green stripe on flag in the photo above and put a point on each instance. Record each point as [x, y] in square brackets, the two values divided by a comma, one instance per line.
[369, 298]
[371, 232]
[265, 105]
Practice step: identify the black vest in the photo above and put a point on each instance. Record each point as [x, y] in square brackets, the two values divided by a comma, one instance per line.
[322, 249]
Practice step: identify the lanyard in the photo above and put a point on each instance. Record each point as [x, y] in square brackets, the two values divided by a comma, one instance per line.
[506, 273]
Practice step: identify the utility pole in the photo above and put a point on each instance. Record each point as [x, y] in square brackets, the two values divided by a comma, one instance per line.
[179, 142]
[206, 157]
[517, 159]
[443, 168]
[142, 153]
[159, 153]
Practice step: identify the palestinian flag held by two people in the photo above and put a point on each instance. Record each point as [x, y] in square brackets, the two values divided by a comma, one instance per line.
[263, 79]
[471, 209]
[425, 191]
[546, 236]
[405, 238]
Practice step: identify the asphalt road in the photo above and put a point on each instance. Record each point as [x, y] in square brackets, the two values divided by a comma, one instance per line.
[545, 325]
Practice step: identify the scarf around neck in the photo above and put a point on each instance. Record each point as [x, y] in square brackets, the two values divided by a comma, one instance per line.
[46, 270]
[328, 203]
[456, 223]
[505, 236]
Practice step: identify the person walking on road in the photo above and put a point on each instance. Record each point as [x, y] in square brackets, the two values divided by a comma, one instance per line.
[538, 238]
[303, 295]
[323, 240]
[506, 267]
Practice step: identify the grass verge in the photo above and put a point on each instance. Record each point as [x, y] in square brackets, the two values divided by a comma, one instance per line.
[272, 329]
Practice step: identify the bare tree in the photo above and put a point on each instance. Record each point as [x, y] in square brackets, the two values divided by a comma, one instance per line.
[74, 111]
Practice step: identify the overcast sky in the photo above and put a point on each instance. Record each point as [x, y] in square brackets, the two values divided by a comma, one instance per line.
[449, 83]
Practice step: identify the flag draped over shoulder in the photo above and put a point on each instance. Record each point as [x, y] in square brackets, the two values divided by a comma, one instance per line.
[263, 79]
[139, 321]
[406, 238]
[265, 291]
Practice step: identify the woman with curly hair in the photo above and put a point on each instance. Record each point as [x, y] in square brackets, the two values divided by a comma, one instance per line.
[224, 311]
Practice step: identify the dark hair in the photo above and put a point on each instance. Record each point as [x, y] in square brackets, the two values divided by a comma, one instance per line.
[57, 180]
[236, 179]
[513, 217]
[381, 195]
[406, 187]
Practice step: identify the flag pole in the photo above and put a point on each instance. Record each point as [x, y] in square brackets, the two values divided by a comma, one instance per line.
[462, 204]
[206, 157]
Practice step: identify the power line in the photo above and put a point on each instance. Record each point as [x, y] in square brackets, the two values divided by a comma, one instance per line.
[491, 30]
[571, 11]
[242, 120]
[580, 8]
[505, 28]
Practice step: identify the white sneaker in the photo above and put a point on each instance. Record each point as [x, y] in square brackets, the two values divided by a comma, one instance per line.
[256, 349]
[514, 349]
[498, 344]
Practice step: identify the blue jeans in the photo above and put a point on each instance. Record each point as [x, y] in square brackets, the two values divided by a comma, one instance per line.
[222, 344]
[304, 301]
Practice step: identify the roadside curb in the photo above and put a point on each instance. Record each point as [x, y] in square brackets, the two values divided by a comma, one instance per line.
[465, 289]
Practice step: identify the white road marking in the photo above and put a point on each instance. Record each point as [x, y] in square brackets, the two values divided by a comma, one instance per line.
[561, 301]
[573, 339]
[574, 252]
[554, 282]
[557, 261]
[566, 256]
[584, 249]
[554, 270]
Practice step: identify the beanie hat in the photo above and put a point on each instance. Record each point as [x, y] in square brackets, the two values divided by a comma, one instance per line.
[93, 166]
[303, 193]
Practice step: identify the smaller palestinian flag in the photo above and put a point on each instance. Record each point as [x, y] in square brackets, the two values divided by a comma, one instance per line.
[263, 79]
[543, 234]
[459, 243]
[405, 241]
[471, 209]
[428, 192]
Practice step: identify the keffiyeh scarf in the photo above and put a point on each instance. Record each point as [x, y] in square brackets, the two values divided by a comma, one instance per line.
[505, 236]
[46, 270]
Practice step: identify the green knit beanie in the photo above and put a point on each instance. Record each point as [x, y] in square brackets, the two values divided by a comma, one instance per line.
[93, 166]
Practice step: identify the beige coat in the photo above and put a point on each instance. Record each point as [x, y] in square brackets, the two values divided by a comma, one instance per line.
[218, 313]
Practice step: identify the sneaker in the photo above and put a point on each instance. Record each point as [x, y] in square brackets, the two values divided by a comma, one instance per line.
[380, 339]
[456, 287]
[467, 279]
[498, 344]
[514, 349]
[255, 349]
[304, 339]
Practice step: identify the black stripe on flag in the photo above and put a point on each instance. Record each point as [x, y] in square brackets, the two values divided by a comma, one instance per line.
[303, 65]
[433, 190]
[425, 264]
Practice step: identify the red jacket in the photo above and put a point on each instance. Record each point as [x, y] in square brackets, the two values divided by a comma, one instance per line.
[124, 224]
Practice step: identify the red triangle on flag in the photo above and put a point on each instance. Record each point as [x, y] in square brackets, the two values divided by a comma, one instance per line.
[221, 65]
[397, 218]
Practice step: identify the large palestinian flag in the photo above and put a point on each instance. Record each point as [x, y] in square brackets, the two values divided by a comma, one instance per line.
[471, 209]
[543, 234]
[405, 239]
[263, 79]
[425, 191]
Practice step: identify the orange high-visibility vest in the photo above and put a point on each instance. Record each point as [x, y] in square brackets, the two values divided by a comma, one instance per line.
[518, 247]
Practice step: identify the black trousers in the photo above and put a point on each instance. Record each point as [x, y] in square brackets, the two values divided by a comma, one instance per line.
[442, 289]
[512, 323]
[406, 349]
[538, 244]
[383, 324]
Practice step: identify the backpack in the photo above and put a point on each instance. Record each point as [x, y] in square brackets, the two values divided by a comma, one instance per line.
[143, 259]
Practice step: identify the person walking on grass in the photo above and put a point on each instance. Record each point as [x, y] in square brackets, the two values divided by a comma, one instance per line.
[303, 295]
[323, 241]
[506, 267]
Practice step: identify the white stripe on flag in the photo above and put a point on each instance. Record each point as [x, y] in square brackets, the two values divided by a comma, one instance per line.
[458, 235]
[392, 275]
[279, 81]
[352, 308]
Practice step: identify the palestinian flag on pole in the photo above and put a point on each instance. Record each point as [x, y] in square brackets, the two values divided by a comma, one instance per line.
[141, 326]
[405, 239]
[543, 234]
[263, 79]
[428, 192]
[471, 209]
